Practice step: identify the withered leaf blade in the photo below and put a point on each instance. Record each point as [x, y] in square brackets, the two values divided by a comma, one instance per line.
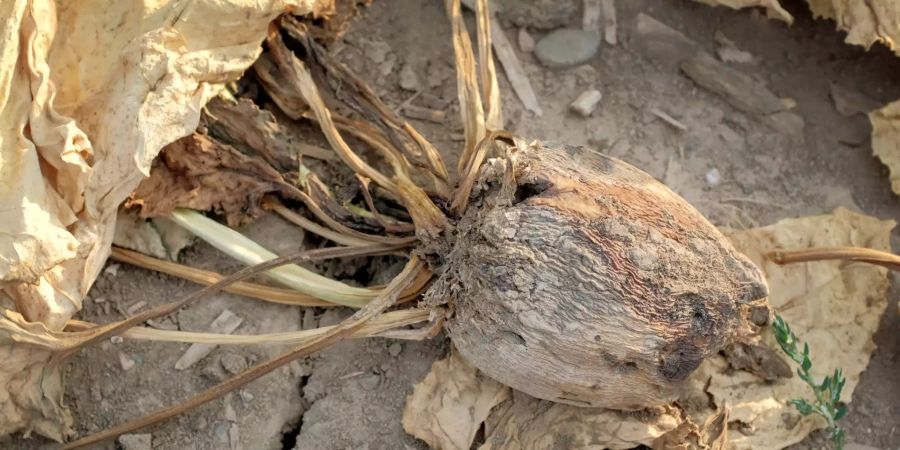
[526, 423]
[448, 407]
[199, 173]
[279, 143]
[834, 306]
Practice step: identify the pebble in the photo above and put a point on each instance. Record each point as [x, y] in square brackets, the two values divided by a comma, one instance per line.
[369, 382]
[526, 42]
[136, 441]
[408, 79]
[125, 361]
[233, 363]
[395, 349]
[586, 103]
[713, 177]
[567, 47]
[116, 339]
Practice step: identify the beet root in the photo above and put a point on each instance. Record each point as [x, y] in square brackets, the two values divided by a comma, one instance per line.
[577, 278]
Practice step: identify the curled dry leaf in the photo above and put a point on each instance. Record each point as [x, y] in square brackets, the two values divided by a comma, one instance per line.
[886, 139]
[278, 142]
[81, 125]
[831, 304]
[31, 397]
[199, 173]
[526, 423]
[866, 22]
[773, 8]
[447, 408]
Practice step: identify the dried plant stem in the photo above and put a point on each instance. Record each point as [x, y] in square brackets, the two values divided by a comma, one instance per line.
[378, 326]
[199, 276]
[384, 300]
[471, 110]
[274, 205]
[249, 252]
[317, 210]
[461, 198]
[393, 226]
[490, 87]
[858, 254]
[251, 290]
[95, 335]
[385, 114]
[429, 220]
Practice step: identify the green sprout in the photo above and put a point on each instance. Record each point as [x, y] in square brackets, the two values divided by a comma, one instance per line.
[828, 394]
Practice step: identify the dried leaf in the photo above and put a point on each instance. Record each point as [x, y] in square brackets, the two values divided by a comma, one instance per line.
[774, 10]
[31, 397]
[280, 144]
[526, 423]
[98, 105]
[866, 22]
[886, 139]
[199, 173]
[834, 306]
[447, 408]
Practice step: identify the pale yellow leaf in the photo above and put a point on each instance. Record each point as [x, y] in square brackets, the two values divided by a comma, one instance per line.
[834, 306]
[526, 423]
[90, 91]
[886, 139]
[774, 10]
[448, 407]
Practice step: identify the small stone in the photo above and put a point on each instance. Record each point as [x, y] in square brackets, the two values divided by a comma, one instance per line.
[111, 270]
[233, 363]
[246, 396]
[116, 339]
[526, 42]
[309, 319]
[369, 382]
[136, 441]
[586, 103]
[125, 361]
[299, 369]
[408, 79]
[221, 432]
[99, 300]
[713, 177]
[567, 47]
[395, 349]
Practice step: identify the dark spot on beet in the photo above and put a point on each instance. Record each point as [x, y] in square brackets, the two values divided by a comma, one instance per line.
[527, 190]
[682, 359]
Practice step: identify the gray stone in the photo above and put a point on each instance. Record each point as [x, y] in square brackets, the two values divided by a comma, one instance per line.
[136, 441]
[567, 47]
[395, 349]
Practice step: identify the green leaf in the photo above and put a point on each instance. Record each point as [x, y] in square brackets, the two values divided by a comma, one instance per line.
[806, 364]
[802, 406]
[840, 412]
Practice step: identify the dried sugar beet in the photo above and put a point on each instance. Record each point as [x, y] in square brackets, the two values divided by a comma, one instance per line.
[589, 282]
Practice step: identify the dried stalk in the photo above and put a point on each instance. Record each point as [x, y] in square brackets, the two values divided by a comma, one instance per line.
[428, 218]
[379, 326]
[471, 110]
[308, 225]
[251, 290]
[249, 252]
[95, 335]
[857, 254]
[346, 328]
[489, 85]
